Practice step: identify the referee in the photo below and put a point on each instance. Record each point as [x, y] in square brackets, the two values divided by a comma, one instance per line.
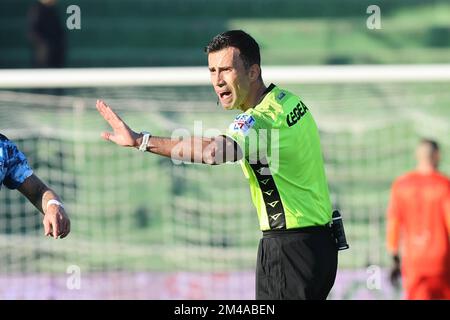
[277, 142]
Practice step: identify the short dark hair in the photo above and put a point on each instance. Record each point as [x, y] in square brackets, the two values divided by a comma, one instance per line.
[248, 47]
[434, 146]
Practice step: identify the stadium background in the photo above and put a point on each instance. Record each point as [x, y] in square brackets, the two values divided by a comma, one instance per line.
[145, 228]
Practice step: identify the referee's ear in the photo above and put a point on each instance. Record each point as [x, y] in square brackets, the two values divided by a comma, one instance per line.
[254, 72]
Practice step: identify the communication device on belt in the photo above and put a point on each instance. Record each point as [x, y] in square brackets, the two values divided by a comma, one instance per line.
[338, 231]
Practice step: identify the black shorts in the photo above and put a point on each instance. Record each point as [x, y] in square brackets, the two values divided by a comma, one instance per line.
[296, 264]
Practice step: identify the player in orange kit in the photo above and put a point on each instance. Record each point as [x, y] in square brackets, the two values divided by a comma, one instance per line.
[418, 227]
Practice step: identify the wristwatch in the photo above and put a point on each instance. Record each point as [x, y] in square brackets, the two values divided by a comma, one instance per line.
[145, 138]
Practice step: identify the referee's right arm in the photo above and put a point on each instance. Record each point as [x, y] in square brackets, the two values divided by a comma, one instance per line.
[211, 151]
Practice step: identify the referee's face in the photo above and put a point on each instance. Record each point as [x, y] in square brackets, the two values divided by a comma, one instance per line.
[230, 78]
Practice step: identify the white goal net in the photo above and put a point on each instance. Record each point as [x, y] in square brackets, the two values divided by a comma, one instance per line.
[143, 227]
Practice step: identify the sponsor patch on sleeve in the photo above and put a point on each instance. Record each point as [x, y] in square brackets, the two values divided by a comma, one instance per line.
[242, 123]
[281, 95]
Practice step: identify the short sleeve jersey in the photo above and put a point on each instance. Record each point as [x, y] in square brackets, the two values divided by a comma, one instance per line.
[283, 162]
[14, 168]
[420, 203]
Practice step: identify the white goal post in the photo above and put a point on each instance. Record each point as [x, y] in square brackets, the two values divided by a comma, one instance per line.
[181, 76]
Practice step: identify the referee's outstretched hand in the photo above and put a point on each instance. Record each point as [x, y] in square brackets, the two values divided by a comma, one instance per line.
[122, 134]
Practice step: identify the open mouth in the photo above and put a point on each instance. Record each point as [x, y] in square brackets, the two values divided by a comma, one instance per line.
[225, 94]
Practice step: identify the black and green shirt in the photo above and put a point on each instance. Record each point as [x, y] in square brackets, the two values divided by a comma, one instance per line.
[283, 162]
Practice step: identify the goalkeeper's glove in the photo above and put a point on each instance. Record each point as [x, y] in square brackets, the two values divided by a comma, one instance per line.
[395, 273]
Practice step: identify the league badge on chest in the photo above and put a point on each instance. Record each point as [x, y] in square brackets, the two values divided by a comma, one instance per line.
[243, 123]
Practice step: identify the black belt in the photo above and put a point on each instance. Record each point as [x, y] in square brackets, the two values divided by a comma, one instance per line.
[305, 230]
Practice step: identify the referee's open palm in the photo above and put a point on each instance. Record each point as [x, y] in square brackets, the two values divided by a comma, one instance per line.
[122, 134]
